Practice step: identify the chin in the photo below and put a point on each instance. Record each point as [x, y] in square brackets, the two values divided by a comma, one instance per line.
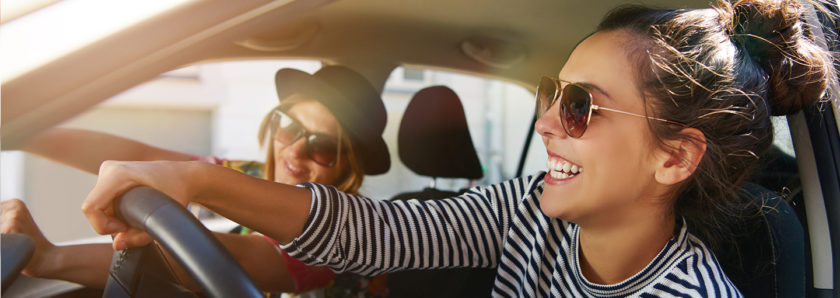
[285, 179]
[553, 204]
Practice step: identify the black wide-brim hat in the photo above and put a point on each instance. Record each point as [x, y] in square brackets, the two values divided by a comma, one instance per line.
[353, 101]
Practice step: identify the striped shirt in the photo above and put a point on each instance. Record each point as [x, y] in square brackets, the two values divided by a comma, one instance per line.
[499, 225]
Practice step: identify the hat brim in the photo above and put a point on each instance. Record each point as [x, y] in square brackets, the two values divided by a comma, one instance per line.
[372, 151]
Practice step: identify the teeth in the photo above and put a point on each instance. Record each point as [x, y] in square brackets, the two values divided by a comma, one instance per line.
[562, 169]
[560, 175]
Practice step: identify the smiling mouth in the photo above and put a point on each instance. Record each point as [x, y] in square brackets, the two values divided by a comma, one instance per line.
[562, 169]
[292, 169]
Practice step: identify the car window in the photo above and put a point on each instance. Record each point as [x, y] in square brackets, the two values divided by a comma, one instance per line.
[215, 109]
[206, 109]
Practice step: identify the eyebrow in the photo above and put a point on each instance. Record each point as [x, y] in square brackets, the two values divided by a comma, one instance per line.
[596, 88]
[590, 86]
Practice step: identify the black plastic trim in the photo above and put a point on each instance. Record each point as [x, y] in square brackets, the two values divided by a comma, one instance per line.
[526, 147]
[822, 293]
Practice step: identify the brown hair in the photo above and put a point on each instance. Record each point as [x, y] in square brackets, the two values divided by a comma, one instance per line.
[723, 71]
[351, 177]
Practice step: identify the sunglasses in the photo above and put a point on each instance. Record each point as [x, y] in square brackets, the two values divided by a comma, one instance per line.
[575, 105]
[321, 148]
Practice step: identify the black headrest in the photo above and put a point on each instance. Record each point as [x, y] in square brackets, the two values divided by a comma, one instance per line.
[434, 139]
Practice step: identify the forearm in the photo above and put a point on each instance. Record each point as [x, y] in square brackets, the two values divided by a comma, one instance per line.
[259, 257]
[274, 209]
[86, 150]
[86, 264]
[349, 233]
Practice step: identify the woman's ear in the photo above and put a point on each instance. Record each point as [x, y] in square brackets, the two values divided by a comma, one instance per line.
[678, 163]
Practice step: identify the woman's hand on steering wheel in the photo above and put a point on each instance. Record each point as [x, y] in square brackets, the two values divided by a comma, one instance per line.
[116, 177]
[16, 219]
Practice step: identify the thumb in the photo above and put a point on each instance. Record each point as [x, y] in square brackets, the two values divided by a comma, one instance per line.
[131, 238]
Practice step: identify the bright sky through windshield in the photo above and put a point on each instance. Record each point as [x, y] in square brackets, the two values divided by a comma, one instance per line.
[55, 30]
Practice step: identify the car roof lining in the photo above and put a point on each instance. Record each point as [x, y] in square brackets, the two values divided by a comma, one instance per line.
[362, 34]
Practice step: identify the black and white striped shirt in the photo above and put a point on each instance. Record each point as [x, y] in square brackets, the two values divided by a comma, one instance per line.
[499, 225]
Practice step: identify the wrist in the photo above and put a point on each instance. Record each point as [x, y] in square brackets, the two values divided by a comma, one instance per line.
[85, 264]
[48, 263]
[199, 176]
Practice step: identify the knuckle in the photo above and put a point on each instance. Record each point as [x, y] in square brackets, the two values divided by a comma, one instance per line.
[12, 203]
[86, 207]
[12, 206]
[108, 165]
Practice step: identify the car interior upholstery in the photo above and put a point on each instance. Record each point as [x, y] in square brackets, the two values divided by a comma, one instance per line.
[434, 141]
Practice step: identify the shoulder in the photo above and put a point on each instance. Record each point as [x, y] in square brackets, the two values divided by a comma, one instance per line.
[697, 270]
[250, 167]
[518, 188]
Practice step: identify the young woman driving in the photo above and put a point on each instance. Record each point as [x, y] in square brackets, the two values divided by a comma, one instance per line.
[312, 136]
[650, 128]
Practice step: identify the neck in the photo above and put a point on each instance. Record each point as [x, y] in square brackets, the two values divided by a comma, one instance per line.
[612, 253]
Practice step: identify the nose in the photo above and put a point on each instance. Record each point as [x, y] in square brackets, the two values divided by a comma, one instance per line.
[548, 125]
[297, 149]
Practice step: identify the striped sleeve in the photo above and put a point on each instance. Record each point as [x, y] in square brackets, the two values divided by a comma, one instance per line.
[350, 233]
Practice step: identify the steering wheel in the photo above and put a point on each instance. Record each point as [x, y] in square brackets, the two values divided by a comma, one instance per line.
[17, 249]
[144, 272]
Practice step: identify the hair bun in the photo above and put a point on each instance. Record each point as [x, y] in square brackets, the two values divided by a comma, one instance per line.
[771, 33]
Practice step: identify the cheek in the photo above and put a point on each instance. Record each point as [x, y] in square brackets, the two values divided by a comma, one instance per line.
[334, 173]
[325, 175]
[277, 155]
[278, 149]
[622, 158]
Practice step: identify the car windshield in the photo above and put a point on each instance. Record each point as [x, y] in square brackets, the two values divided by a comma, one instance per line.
[34, 38]
[216, 108]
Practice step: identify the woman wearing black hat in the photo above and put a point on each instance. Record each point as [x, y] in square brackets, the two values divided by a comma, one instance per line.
[327, 129]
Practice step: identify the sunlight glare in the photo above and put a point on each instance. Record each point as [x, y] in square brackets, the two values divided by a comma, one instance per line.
[37, 38]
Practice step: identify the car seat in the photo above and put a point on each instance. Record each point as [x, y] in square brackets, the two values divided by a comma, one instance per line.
[768, 258]
[434, 141]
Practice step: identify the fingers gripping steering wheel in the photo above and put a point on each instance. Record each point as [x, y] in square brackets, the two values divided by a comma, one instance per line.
[143, 272]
